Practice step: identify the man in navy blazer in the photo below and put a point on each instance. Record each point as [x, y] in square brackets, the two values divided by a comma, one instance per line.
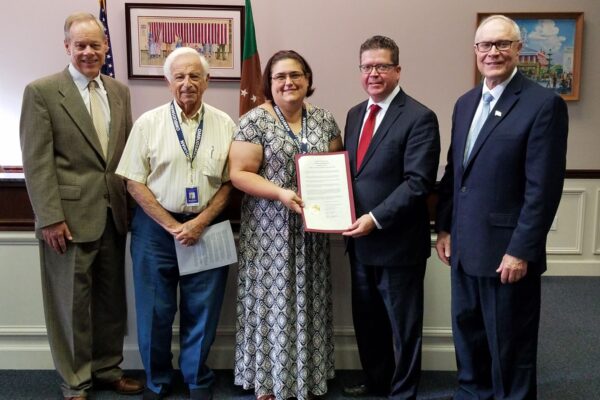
[498, 197]
[389, 243]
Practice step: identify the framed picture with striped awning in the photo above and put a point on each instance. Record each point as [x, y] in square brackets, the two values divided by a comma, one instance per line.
[155, 30]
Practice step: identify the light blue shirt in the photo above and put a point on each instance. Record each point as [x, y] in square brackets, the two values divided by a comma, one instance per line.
[82, 81]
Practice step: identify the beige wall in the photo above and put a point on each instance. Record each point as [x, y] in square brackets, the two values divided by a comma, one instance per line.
[434, 37]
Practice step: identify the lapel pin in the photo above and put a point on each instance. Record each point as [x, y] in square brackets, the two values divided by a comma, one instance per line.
[498, 113]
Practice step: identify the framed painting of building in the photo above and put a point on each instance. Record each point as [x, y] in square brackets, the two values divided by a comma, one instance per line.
[552, 46]
[155, 30]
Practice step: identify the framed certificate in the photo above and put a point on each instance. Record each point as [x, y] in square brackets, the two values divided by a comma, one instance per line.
[326, 190]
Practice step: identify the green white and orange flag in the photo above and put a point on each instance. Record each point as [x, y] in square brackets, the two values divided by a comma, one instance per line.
[251, 82]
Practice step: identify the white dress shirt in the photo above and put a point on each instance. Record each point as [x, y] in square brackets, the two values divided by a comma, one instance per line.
[385, 104]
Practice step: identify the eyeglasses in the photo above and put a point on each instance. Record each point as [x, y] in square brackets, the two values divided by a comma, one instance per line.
[294, 76]
[380, 68]
[501, 45]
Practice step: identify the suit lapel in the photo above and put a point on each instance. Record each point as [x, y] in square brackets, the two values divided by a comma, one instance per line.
[502, 108]
[116, 107]
[392, 113]
[353, 134]
[462, 130]
[75, 108]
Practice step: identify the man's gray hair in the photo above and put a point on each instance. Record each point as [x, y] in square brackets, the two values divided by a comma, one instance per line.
[178, 52]
[81, 17]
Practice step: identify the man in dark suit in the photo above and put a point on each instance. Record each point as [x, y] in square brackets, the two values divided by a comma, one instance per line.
[393, 145]
[498, 197]
[69, 159]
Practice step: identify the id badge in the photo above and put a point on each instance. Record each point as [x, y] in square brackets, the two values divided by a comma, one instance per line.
[191, 196]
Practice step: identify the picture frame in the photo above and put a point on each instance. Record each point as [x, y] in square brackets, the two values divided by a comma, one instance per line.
[552, 47]
[154, 30]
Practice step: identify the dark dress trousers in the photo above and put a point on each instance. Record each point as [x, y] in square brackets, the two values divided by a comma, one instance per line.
[501, 202]
[388, 264]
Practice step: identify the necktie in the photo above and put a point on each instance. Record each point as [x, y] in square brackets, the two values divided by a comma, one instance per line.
[367, 134]
[98, 116]
[476, 127]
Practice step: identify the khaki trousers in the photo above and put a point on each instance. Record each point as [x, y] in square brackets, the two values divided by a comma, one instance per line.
[85, 309]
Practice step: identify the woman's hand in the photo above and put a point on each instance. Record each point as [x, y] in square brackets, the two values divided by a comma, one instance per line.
[291, 200]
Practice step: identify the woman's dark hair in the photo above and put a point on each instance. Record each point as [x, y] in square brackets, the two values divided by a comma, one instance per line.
[282, 55]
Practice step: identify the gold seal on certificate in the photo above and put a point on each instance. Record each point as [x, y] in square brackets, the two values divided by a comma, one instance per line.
[325, 188]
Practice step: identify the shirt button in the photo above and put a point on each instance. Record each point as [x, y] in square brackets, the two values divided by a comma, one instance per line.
[463, 189]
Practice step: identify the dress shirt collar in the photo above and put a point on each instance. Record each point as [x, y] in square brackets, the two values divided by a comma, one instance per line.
[81, 80]
[385, 104]
[185, 118]
[498, 90]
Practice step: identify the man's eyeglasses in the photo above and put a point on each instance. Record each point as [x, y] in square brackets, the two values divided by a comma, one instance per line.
[294, 76]
[380, 68]
[501, 45]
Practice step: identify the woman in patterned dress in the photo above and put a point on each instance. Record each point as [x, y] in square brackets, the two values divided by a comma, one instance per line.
[284, 340]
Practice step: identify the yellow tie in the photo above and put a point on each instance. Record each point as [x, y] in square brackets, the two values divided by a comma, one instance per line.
[98, 116]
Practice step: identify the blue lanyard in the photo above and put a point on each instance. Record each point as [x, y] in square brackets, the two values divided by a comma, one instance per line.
[303, 143]
[182, 143]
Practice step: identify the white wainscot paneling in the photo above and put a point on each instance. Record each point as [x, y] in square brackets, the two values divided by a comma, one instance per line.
[23, 342]
[566, 233]
[573, 250]
[574, 240]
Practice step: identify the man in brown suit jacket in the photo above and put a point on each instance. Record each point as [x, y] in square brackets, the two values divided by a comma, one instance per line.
[81, 209]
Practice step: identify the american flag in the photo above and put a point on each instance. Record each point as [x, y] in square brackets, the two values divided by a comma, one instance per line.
[109, 67]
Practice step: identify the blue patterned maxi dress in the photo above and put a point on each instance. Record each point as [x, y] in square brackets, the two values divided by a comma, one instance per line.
[284, 340]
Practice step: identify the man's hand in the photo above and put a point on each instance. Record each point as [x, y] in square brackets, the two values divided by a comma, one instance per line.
[512, 269]
[442, 246]
[189, 232]
[361, 227]
[56, 235]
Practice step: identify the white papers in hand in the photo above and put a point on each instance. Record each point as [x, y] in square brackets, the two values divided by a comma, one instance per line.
[216, 248]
